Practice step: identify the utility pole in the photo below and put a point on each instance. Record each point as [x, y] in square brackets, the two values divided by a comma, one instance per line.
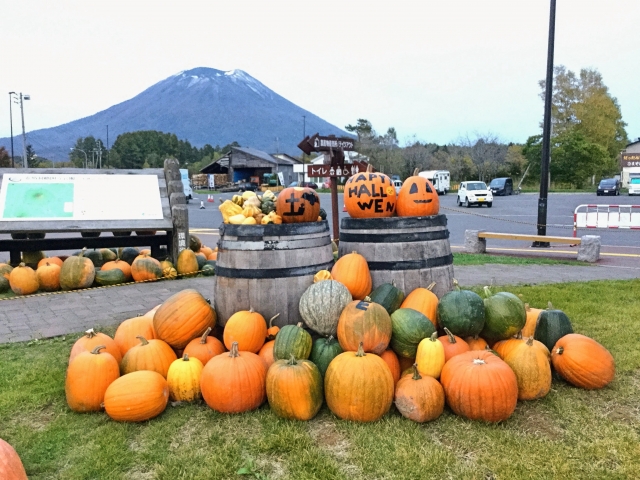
[11, 99]
[304, 126]
[108, 146]
[24, 135]
[546, 132]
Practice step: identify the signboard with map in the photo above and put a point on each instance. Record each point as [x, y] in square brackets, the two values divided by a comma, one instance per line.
[28, 197]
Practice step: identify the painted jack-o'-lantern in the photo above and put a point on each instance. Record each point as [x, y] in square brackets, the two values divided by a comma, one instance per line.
[369, 195]
[417, 198]
[298, 204]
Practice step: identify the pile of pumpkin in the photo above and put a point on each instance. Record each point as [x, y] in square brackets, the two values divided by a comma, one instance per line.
[371, 348]
[372, 195]
[101, 267]
[292, 205]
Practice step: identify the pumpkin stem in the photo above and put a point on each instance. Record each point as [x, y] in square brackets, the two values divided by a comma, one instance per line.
[487, 291]
[416, 374]
[360, 352]
[299, 325]
[478, 361]
[549, 306]
[456, 285]
[206, 333]
[185, 358]
[251, 310]
[330, 339]
[530, 341]
[367, 299]
[560, 350]
[431, 285]
[527, 307]
[434, 336]
[519, 335]
[90, 333]
[82, 252]
[369, 168]
[47, 264]
[143, 341]
[292, 360]
[22, 264]
[272, 319]
[96, 350]
[416, 171]
[234, 350]
[452, 338]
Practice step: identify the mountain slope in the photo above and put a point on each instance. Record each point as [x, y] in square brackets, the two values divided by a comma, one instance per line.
[202, 105]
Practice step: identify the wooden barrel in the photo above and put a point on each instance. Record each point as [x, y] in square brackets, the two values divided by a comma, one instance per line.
[412, 251]
[268, 268]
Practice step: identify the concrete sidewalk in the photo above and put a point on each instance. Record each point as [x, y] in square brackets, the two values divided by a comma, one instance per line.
[23, 319]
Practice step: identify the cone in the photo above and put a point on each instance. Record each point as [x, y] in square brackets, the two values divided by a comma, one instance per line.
[201, 205]
[344, 208]
[210, 198]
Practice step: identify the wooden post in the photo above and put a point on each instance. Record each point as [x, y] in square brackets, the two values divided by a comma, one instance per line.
[179, 209]
[334, 209]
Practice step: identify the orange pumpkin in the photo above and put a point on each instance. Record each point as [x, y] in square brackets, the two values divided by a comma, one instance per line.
[88, 377]
[234, 382]
[365, 323]
[206, 251]
[183, 317]
[23, 280]
[358, 386]
[391, 359]
[370, 195]
[273, 330]
[266, 353]
[453, 345]
[213, 256]
[476, 343]
[322, 275]
[145, 267]
[424, 301]
[49, 277]
[419, 398]
[352, 271]
[529, 328]
[154, 355]
[583, 362]
[136, 397]
[478, 385]
[127, 333]
[51, 261]
[417, 198]
[405, 363]
[11, 467]
[121, 265]
[246, 328]
[298, 204]
[90, 340]
[205, 347]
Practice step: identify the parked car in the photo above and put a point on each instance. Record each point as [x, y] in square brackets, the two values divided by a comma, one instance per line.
[501, 186]
[634, 186]
[474, 192]
[246, 187]
[608, 186]
[304, 184]
[398, 185]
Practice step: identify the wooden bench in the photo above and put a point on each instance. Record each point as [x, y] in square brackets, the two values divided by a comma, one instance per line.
[589, 251]
[171, 230]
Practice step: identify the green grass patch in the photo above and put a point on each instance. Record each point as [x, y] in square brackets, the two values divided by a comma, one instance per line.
[461, 259]
[7, 294]
[571, 433]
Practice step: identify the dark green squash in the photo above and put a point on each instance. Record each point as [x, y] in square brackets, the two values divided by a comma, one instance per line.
[210, 262]
[201, 259]
[31, 259]
[551, 326]
[195, 244]
[4, 284]
[409, 327]
[129, 254]
[462, 312]
[115, 276]
[208, 270]
[292, 340]
[389, 296]
[108, 255]
[95, 256]
[323, 214]
[323, 351]
[505, 315]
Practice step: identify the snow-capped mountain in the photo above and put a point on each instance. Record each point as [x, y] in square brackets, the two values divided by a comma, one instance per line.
[202, 105]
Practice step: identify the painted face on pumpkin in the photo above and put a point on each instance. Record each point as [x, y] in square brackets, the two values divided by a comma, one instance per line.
[415, 190]
[417, 198]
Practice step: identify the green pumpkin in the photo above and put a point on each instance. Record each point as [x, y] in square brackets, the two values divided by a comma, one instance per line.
[5, 269]
[210, 262]
[108, 255]
[409, 327]
[323, 351]
[323, 214]
[551, 326]
[96, 257]
[4, 284]
[292, 340]
[129, 254]
[201, 259]
[462, 312]
[505, 315]
[115, 276]
[208, 270]
[321, 305]
[389, 296]
[31, 259]
[267, 206]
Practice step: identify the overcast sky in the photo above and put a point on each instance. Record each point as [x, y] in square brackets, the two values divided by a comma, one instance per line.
[436, 70]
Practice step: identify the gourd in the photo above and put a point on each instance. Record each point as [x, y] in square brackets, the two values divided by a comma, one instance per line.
[323, 351]
[128, 254]
[246, 328]
[409, 328]
[424, 301]
[121, 265]
[292, 340]
[532, 369]
[136, 397]
[145, 268]
[462, 312]
[583, 362]
[229, 209]
[183, 379]
[154, 355]
[358, 386]
[389, 296]
[430, 356]
[77, 272]
[419, 398]
[321, 305]
[493, 381]
[182, 317]
[352, 271]
[194, 243]
[505, 315]
[551, 326]
[115, 276]
[322, 275]
[23, 280]
[87, 379]
[273, 330]
[366, 323]
[294, 389]
[187, 263]
[204, 348]
[234, 382]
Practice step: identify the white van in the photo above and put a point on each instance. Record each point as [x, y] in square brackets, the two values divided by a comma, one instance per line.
[440, 180]
[184, 174]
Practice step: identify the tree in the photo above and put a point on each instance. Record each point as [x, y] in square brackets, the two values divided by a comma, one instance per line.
[5, 158]
[33, 161]
[94, 149]
[575, 158]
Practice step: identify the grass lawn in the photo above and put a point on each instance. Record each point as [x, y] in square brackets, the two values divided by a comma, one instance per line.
[460, 259]
[571, 433]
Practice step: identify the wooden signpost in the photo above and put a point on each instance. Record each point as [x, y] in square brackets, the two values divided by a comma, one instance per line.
[335, 147]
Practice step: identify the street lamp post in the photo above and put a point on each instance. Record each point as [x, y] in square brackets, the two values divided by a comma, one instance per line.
[11, 99]
[85, 155]
[24, 135]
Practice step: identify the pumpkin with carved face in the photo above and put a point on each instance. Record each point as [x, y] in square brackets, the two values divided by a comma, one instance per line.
[298, 204]
[417, 198]
[370, 195]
